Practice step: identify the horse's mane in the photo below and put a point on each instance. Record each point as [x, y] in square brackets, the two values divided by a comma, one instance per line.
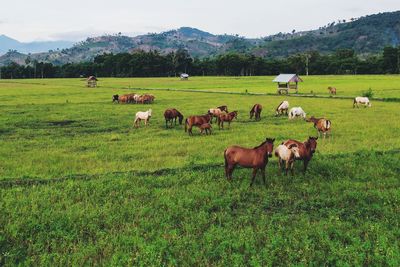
[263, 143]
[279, 105]
[253, 108]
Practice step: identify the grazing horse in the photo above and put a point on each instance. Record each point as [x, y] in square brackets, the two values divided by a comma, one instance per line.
[206, 127]
[196, 121]
[215, 112]
[123, 99]
[361, 100]
[115, 98]
[142, 116]
[282, 108]
[296, 112]
[171, 115]
[226, 117]
[256, 110]
[322, 125]
[332, 90]
[256, 158]
[306, 149]
[131, 97]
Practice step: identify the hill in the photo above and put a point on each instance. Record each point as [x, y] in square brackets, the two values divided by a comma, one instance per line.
[366, 35]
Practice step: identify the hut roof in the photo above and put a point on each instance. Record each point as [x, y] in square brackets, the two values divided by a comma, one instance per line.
[287, 78]
[92, 78]
[184, 75]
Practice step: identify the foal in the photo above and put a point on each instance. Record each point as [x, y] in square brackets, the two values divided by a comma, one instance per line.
[226, 117]
[256, 158]
[206, 127]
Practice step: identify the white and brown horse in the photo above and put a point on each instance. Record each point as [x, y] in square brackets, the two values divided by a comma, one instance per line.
[322, 125]
[216, 112]
[306, 149]
[282, 108]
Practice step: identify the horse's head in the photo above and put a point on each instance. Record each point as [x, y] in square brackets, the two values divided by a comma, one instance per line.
[180, 118]
[234, 114]
[149, 112]
[312, 143]
[270, 146]
[295, 150]
[223, 108]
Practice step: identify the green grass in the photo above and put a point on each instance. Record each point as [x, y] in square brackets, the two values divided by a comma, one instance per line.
[80, 186]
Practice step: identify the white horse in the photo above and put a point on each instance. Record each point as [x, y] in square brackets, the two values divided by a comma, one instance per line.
[136, 97]
[296, 112]
[361, 100]
[282, 108]
[142, 116]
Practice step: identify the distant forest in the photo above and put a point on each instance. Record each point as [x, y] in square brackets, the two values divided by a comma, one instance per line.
[155, 64]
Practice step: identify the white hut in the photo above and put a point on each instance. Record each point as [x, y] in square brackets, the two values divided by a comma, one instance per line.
[287, 82]
[184, 76]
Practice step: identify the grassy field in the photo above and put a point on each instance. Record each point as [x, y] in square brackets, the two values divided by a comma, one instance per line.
[80, 186]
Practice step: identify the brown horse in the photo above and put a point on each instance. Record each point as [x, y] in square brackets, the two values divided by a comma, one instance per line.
[322, 125]
[206, 128]
[226, 117]
[123, 99]
[256, 110]
[256, 158]
[332, 90]
[306, 149]
[171, 115]
[215, 112]
[196, 121]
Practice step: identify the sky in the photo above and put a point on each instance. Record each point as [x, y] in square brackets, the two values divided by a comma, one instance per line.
[74, 20]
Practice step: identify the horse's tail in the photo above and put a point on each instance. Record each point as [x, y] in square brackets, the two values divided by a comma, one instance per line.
[186, 123]
[327, 124]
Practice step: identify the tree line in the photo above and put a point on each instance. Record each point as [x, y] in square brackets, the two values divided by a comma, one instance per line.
[154, 64]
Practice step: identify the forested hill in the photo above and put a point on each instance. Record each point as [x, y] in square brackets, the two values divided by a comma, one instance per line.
[365, 35]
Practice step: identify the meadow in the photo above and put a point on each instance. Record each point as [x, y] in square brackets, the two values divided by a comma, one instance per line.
[80, 186]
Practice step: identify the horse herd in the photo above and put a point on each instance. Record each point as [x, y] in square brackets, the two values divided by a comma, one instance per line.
[256, 158]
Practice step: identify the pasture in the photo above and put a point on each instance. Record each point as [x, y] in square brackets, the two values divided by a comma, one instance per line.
[79, 185]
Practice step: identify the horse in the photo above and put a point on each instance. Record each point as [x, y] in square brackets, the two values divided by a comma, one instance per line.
[142, 116]
[332, 90]
[196, 121]
[215, 112]
[306, 149]
[206, 127]
[226, 117]
[322, 125]
[123, 99]
[131, 97]
[115, 98]
[296, 112]
[171, 115]
[283, 107]
[287, 155]
[256, 110]
[361, 100]
[256, 158]
[136, 98]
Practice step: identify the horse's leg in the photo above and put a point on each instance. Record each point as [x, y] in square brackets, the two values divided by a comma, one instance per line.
[263, 175]
[254, 176]
[280, 165]
[230, 171]
[305, 165]
[291, 167]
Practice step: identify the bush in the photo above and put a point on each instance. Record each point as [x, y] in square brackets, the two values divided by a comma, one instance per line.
[368, 93]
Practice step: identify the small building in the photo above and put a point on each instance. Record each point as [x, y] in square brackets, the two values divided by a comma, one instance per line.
[287, 82]
[92, 81]
[184, 76]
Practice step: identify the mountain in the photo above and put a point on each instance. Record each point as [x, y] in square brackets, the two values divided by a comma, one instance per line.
[366, 35]
[7, 43]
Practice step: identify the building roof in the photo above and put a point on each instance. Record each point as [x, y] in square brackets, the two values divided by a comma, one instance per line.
[184, 75]
[92, 78]
[286, 78]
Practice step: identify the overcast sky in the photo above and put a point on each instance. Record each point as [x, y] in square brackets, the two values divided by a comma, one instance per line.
[74, 20]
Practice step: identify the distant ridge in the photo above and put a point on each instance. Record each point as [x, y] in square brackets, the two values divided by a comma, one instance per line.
[365, 35]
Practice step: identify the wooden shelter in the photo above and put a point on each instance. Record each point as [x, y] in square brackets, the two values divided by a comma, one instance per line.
[92, 81]
[287, 82]
[184, 76]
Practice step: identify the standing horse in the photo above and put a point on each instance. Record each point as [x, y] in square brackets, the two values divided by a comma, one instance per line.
[332, 90]
[142, 116]
[256, 110]
[226, 117]
[196, 121]
[171, 115]
[215, 112]
[206, 128]
[361, 100]
[306, 149]
[322, 125]
[282, 108]
[256, 158]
